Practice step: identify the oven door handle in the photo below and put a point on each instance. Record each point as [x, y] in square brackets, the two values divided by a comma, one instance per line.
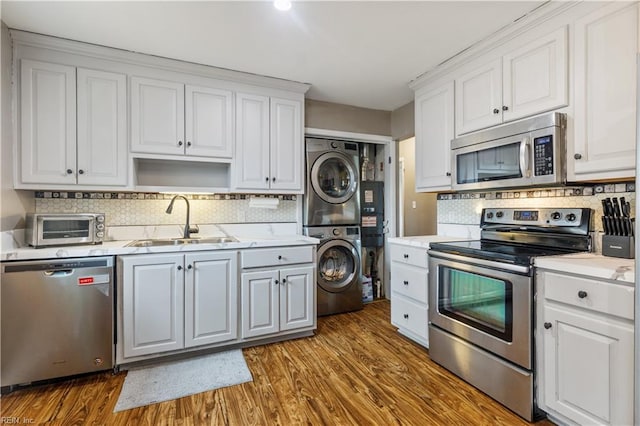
[481, 262]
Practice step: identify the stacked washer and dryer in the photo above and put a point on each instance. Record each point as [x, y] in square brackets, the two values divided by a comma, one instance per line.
[332, 214]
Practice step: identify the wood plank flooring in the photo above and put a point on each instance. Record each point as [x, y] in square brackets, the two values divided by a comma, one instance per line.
[357, 370]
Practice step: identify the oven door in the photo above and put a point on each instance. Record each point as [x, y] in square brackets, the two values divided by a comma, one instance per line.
[489, 307]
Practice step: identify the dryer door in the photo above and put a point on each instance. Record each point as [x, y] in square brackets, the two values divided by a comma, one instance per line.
[334, 178]
[338, 265]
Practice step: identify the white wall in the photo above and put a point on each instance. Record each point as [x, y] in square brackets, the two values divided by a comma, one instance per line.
[13, 204]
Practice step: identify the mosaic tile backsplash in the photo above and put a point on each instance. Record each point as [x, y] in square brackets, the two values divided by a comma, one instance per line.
[149, 209]
[465, 208]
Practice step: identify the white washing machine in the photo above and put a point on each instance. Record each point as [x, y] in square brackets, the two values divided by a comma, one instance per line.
[332, 193]
[339, 278]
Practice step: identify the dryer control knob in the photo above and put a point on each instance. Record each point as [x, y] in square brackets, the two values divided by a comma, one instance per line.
[336, 232]
[334, 145]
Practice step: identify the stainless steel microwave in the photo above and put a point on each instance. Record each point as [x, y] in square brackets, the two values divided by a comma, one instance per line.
[530, 152]
[45, 230]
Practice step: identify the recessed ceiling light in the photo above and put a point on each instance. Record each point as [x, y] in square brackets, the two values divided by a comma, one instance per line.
[282, 4]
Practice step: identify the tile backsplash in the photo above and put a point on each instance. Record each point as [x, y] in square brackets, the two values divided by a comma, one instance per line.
[149, 209]
[465, 208]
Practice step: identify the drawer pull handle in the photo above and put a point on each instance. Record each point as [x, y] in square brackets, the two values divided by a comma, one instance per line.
[406, 316]
[582, 294]
[406, 256]
[279, 257]
[406, 282]
[547, 325]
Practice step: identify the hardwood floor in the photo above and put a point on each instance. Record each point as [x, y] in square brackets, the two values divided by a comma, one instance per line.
[357, 370]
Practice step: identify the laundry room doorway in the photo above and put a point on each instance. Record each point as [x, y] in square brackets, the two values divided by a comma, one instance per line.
[417, 214]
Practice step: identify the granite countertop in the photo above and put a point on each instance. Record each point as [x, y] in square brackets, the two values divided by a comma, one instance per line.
[591, 265]
[111, 248]
[422, 240]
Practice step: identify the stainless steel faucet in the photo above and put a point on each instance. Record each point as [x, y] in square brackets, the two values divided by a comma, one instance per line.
[188, 230]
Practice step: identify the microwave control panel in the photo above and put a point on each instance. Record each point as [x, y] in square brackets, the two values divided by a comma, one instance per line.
[543, 155]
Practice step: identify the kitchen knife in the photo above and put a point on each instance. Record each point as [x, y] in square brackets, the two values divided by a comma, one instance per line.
[617, 217]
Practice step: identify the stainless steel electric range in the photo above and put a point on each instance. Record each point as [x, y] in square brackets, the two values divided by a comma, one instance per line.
[481, 298]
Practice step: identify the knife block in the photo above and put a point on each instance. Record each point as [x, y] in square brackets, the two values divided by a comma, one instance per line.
[618, 246]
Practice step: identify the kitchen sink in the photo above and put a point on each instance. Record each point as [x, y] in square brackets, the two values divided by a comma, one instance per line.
[181, 241]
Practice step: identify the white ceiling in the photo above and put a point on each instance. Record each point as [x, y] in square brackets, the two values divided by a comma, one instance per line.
[361, 53]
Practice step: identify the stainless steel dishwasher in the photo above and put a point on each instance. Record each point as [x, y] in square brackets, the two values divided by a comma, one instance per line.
[57, 318]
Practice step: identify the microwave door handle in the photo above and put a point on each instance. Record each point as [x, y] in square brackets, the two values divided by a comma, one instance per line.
[525, 155]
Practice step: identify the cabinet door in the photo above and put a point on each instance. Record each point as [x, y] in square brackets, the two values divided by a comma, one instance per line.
[102, 132]
[434, 131]
[260, 303]
[47, 123]
[286, 143]
[479, 98]
[211, 298]
[606, 47]
[157, 116]
[535, 77]
[588, 362]
[251, 167]
[209, 122]
[297, 301]
[152, 304]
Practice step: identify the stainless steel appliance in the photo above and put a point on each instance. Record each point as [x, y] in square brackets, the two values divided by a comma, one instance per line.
[64, 229]
[481, 298]
[525, 153]
[57, 318]
[339, 278]
[332, 195]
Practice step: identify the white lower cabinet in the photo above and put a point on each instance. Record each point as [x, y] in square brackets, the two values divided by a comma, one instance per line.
[409, 281]
[173, 301]
[585, 349]
[277, 298]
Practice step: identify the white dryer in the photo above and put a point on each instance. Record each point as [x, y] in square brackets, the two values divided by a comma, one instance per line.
[332, 195]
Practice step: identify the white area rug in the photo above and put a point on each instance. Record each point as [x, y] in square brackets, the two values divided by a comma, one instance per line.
[175, 379]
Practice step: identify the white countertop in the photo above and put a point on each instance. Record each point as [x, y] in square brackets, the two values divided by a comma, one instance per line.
[110, 248]
[422, 240]
[592, 265]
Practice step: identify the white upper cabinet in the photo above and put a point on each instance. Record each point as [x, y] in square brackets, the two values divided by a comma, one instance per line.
[535, 77]
[173, 118]
[47, 123]
[157, 116]
[102, 128]
[479, 98]
[209, 122]
[434, 131]
[286, 147]
[605, 51]
[71, 137]
[525, 81]
[269, 144]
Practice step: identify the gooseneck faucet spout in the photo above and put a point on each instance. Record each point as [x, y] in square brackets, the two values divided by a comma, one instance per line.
[187, 228]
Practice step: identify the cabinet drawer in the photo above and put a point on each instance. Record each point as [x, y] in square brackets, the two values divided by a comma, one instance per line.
[277, 256]
[416, 256]
[409, 315]
[409, 281]
[600, 296]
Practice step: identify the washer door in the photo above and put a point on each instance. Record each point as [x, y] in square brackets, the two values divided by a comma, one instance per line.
[338, 265]
[334, 178]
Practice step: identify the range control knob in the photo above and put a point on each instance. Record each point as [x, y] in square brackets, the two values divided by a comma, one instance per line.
[489, 215]
[571, 217]
[499, 214]
[556, 215]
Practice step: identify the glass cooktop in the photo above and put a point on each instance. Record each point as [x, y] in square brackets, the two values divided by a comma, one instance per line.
[519, 254]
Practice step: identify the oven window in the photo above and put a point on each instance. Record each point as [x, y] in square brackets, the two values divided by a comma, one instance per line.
[479, 301]
[501, 162]
[54, 229]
